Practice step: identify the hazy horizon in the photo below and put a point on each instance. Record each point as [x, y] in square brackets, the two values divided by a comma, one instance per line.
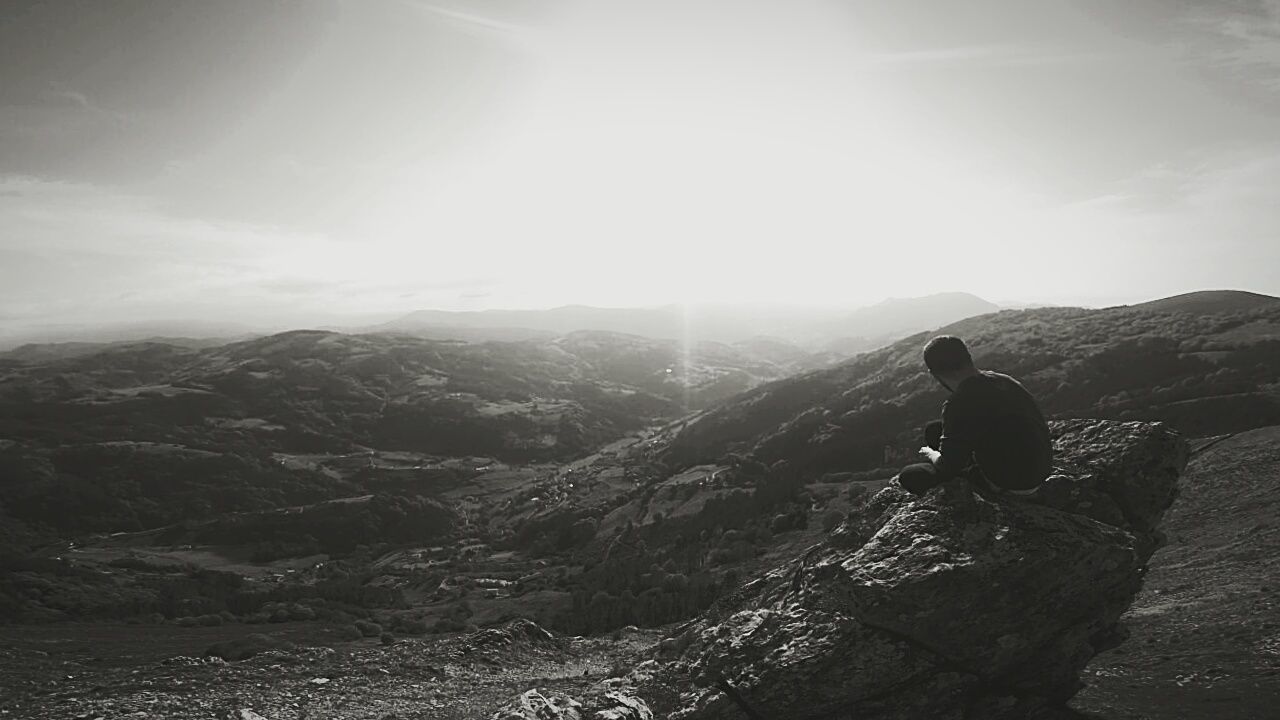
[279, 164]
[698, 318]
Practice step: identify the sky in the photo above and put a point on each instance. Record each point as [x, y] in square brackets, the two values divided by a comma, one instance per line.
[288, 163]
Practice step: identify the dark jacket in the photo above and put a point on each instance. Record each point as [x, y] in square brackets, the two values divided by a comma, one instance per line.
[993, 422]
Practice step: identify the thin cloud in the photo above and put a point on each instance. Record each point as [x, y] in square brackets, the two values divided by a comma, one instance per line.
[1159, 188]
[298, 286]
[1243, 38]
[999, 54]
[62, 95]
[77, 98]
[470, 20]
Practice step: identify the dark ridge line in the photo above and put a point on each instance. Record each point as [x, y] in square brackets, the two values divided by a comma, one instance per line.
[1211, 443]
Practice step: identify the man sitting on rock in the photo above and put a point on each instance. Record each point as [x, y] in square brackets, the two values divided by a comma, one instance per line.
[991, 428]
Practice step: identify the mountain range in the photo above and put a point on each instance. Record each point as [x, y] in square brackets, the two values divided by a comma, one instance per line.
[74, 422]
[813, 329]
[833, 331]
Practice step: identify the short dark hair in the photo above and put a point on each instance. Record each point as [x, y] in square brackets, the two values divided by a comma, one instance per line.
[946, 353]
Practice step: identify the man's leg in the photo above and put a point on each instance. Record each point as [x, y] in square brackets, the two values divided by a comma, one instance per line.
[918, 479]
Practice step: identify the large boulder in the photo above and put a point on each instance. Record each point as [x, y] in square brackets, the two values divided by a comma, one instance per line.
[964, 603]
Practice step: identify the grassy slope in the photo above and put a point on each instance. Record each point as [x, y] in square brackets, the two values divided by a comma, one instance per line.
[1211, 301]
[1205, 638]
[1203, 374]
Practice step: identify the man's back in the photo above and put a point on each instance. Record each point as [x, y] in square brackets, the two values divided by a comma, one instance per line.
[993, 420]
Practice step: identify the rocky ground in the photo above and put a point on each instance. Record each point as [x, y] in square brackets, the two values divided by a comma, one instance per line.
[1205, 632]
[466, 676]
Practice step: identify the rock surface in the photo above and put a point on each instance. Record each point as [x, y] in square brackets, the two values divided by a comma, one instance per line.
[960, 604]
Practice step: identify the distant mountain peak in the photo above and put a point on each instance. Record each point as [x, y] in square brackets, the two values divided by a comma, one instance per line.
[895, 318]
[925, 299]
[832, 331]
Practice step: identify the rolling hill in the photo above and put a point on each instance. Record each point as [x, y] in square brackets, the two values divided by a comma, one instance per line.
[135, 436]
[1210, 301]
[1204, 374]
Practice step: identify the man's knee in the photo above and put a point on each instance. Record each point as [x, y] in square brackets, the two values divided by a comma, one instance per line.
[918, 479]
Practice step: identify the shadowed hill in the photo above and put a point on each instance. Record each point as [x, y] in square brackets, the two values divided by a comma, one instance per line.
[135, 436]
[310, 390]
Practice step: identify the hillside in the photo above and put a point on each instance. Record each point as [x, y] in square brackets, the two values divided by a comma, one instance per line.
[1204, 374]
[35, 353]
[1205, 632]
[136, 436]
[1210, 301]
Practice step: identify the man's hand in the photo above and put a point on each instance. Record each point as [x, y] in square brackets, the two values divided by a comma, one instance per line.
[930, 453]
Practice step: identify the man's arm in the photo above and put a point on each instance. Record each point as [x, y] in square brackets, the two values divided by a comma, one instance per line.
[959, 428]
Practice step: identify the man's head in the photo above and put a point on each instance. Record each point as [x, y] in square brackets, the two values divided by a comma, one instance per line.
[948, 360]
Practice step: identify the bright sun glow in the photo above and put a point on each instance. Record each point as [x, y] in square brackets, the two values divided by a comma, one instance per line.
[339, 158]
[702, 161]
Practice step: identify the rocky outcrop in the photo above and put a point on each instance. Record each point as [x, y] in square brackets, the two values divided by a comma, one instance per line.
[608, 706]
[964, 603]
